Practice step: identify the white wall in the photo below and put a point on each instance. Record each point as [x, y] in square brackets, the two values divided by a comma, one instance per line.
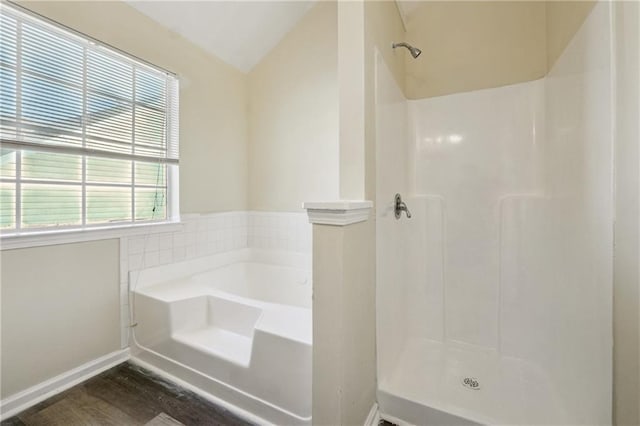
[577, 320]
[391, 273]
[293, 105]
[386, 126]
[470, 151]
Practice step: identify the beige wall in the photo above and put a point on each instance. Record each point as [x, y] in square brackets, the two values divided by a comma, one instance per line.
[213, 119]
[626, 272]
[293, 104]
[344, 354]
[328, 305]
[474, 45]
[60, 309]
[471, 45]
[383, 26]
[351, 72]
[359, 317]
[563, 19]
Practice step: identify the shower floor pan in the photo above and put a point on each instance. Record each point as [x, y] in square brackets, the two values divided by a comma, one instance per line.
[428, 387]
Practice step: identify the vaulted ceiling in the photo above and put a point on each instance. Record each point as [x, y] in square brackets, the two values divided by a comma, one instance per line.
[240, 33]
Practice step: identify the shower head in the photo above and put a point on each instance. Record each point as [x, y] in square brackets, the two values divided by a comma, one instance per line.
[415, 52]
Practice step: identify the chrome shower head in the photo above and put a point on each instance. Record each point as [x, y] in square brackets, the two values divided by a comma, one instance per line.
[415, 52]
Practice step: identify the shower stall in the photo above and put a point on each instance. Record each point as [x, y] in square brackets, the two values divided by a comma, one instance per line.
[494, 300]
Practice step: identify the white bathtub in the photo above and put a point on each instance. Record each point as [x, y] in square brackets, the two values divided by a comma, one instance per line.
[236, 326]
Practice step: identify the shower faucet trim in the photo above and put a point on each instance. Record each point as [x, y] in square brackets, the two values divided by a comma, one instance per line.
[400, 206]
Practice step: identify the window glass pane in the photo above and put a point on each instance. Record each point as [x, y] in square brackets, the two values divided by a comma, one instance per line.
[52, 113]
[7, 40]
[150, 131]
[7, 163]
[150, 203]
[107, 170]
[151, 88]
[150, 173]
[7, 102]
[49, 54]
[108, 205]
[110, 125]
[7, 205]
[51, 166]
[51, 205]
[108, 75]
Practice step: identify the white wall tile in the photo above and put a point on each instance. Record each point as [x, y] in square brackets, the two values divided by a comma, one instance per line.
[179, 253]
[165, 241]
[179, 239]
[151, 259]
[135, 261]
[165, 256]
[136, 244]
[190, 251]
[191, 226]
[151, 242]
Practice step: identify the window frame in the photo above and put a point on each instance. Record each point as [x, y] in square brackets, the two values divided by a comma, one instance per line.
[21, 237]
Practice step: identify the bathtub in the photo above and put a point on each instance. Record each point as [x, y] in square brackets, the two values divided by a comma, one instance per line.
[235, 327]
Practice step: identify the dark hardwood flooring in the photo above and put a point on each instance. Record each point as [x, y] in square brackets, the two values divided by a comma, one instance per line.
[122, 396]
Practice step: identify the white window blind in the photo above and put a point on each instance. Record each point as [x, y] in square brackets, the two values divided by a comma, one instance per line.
[89, 136]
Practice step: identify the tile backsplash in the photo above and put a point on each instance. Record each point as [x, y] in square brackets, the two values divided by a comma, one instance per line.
[279, 231]
[208, 234]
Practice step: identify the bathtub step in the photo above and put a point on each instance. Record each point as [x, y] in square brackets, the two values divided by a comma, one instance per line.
[218, 342]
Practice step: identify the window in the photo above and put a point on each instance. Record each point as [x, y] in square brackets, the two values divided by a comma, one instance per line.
[89, 136]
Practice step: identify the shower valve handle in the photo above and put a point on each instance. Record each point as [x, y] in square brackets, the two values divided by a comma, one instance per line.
[401, 206]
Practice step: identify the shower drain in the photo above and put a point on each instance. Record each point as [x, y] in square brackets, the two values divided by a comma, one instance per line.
[471, 383]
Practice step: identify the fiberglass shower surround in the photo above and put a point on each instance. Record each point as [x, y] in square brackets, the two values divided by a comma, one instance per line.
[478, 313]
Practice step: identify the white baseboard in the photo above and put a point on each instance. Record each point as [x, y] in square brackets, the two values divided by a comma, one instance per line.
[374, 416]
[20, 401]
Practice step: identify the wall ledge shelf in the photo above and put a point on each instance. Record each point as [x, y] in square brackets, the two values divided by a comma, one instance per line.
[338, 213]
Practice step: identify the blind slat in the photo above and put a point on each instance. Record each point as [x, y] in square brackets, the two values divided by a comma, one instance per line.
[34, 146]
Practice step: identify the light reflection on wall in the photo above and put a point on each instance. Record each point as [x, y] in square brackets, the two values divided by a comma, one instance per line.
[440, 140]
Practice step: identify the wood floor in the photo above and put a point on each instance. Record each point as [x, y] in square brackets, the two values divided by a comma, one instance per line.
[125, 395]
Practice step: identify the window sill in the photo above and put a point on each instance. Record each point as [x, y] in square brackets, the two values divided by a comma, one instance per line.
[67, 236]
